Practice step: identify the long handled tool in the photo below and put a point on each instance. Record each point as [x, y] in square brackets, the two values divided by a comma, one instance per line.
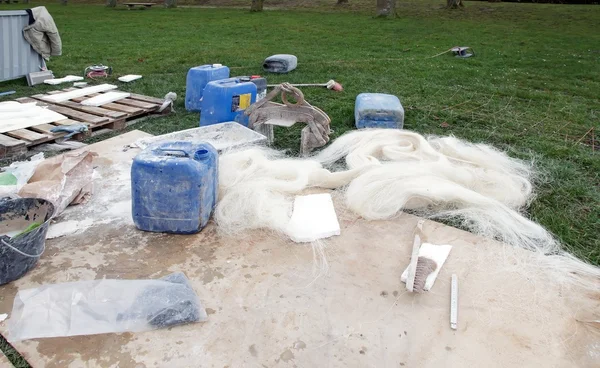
[332, 85]
[458, 51]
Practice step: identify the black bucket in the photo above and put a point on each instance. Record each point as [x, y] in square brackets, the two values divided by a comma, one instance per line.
[20, 253]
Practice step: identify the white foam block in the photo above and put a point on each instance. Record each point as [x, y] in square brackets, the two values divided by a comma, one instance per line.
[68, 78]
[313, 218]
[105, 98]
[129, 78]
[438, 253]
[60, 97]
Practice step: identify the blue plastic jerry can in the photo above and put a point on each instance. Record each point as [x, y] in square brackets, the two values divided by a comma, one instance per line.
[174, 187]
[197, 79]
[378, 110]
[225, 100]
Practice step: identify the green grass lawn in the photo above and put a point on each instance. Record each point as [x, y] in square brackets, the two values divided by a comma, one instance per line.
[533, 89]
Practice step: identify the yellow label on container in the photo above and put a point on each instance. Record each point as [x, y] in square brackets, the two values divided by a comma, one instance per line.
[245, 101]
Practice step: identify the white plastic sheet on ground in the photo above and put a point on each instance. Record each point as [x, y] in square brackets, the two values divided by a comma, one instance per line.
[104, 306]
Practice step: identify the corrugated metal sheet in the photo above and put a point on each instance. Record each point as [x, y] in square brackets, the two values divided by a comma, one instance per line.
[17, 58]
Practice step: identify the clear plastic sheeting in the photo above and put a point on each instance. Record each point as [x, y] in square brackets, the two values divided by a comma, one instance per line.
[104, 306]
[23, 171]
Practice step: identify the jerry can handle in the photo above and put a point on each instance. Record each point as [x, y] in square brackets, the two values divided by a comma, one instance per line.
[166, 150]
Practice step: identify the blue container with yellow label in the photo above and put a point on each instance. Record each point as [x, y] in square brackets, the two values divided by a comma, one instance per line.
[225, 100]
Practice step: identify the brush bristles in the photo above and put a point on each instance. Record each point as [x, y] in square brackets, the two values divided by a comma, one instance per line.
[425, 266]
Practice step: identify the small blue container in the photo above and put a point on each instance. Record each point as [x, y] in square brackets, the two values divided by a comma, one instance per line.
[196, 81]
[174, 187]
[225, 100]
[378, 110]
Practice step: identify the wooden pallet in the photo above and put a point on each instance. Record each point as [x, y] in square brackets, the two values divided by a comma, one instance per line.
[105, 118]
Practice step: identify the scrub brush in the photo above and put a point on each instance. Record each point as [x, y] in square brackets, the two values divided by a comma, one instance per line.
[425, 267]
[425, 263]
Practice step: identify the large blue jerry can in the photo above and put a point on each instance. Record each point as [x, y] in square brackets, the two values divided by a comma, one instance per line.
[174, 187]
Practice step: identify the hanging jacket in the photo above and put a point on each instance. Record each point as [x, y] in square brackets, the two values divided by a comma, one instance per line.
[42, 34]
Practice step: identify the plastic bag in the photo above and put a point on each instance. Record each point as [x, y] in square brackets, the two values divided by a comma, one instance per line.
[63, 180]
[22, 171]
[104, 306]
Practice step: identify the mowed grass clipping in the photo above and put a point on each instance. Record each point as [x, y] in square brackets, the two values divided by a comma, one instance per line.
[532, 89]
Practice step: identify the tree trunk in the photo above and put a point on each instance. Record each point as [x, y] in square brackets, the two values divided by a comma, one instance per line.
[257, 6]
[170, 3]
[111, 3]
[454, 4]
[386, 8]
